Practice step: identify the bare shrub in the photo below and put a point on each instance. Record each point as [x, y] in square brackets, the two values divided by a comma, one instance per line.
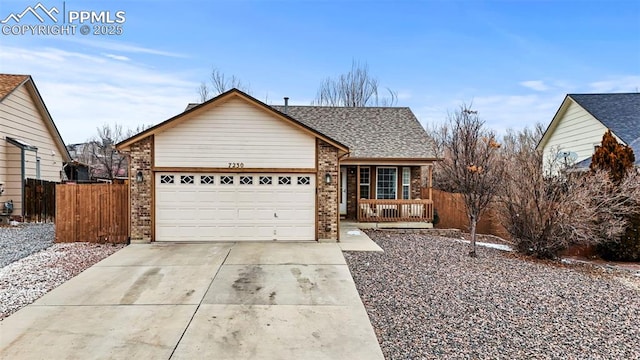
[546, 214]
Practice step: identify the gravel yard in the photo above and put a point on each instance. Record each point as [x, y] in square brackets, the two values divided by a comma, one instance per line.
[427, 299]
[39, 271]
[23, 240]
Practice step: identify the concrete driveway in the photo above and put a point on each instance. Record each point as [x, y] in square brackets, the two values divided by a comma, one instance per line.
[189, 301]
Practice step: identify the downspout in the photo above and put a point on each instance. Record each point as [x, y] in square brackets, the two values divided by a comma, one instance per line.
[22, 175]
[23, 147]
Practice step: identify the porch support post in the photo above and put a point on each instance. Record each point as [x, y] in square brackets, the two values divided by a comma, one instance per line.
[358, 193]
[430, 181]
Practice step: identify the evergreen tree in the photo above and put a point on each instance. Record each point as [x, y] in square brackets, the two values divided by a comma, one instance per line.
[613, 157]
[617, 159]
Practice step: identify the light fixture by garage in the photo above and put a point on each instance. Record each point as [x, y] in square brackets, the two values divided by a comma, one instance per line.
[327, 178]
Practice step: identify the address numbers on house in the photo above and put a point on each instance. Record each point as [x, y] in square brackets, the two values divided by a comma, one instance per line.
[235, 165]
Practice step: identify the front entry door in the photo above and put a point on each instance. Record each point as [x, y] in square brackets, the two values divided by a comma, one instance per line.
[343, 191]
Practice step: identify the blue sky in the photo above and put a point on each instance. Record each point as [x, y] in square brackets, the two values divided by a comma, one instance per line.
[514, 60]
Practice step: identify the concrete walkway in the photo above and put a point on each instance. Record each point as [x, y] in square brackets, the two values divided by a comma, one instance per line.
[190, 301]
[354, 239]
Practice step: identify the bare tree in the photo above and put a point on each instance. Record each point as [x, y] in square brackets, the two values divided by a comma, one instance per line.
[138, 129]
[219, 84]
[203, 92]
[100, 152]
[357, 88]
[471, 161]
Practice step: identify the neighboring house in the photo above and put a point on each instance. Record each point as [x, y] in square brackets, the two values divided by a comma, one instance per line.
[93, 156]
[234, 168]
[30, 144]
[581, 121]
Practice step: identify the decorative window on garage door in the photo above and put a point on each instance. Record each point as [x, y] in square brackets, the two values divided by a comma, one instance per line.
[166, 179]
[304, 180]
[266, 180]
[226, 180]
[186, 179]
[246, 180]
[284, 180]
[207, 179]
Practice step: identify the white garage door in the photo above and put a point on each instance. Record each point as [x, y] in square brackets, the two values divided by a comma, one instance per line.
[235, 207]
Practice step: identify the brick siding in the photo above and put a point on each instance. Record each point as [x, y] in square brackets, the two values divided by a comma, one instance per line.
[141, 193]
[327, 193]
[418, 173]
[352, 193]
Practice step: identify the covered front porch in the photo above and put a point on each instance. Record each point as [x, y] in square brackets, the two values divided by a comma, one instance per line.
[397, 192]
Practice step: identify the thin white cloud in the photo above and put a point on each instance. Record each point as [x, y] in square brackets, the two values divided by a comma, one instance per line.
[616, 84]
[537, 85]
[117, 57]
[123, 47]
[505, 111]
[500, 112]
[84, 91]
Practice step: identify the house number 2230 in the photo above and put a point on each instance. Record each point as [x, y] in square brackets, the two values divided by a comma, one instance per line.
[233, 165]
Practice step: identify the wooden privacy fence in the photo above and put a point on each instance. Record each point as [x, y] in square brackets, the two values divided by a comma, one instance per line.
[452, 214]
[96, 213]
[39, 200]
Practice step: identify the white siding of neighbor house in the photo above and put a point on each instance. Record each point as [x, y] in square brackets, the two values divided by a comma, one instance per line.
[20, 119]
[234, 132]
[576, 131]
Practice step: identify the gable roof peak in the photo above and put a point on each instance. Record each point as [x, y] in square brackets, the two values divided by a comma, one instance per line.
[221, 98]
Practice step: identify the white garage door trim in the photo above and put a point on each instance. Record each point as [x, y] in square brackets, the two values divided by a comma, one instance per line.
[234, 207]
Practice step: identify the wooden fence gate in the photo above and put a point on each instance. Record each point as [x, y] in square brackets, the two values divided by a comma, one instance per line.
[96, 213]
[39, 200]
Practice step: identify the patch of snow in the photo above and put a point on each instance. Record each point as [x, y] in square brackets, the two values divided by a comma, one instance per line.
[353, 232]
[489, 245]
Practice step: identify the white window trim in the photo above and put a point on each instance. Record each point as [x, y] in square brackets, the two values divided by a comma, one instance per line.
[395, 183]
[367, 183]
[408, 183]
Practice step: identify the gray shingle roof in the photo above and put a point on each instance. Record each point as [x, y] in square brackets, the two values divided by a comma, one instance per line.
[618, 112]
[369, 132]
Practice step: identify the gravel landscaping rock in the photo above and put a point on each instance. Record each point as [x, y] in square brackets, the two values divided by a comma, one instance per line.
[26, 280]
[23, 240]
[428, 299]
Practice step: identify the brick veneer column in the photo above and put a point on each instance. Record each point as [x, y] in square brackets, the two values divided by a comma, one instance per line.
[417, 176]
[352, 193]
[327, 193]
[141, 193]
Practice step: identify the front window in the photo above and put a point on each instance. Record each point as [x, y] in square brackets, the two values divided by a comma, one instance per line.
[365, 182]
[387, 183]
[406, 183]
